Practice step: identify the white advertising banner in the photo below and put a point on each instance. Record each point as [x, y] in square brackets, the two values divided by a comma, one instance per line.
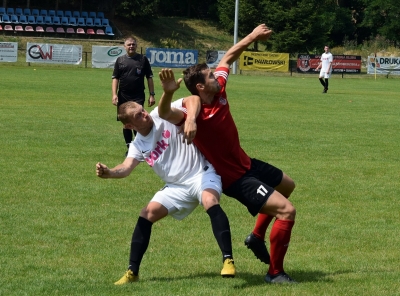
[383, 65]
[105, 56]
[8, 51]
[54, 53]
[213, 57]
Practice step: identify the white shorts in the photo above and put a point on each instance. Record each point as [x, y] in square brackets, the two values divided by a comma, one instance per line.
[326, 75]
[182, 199]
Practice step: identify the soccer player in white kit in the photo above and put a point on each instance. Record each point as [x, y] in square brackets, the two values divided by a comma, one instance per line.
[326, 68]
[190, 180]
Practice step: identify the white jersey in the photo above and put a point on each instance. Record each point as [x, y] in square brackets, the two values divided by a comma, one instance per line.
[163, 149]
[326, 59]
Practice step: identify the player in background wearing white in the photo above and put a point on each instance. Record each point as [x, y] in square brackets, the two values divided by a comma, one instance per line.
[190, 180]
[326, 68]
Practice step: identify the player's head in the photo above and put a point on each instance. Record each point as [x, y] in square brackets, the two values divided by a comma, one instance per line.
[133, 116]
[199, 78]
[130, 45]
[326, 48]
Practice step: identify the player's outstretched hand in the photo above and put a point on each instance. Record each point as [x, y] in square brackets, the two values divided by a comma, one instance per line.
[262, 32]
[168, 82]
[101, 170]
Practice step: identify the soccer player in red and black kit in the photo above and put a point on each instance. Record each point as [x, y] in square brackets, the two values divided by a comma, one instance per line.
[261, 187]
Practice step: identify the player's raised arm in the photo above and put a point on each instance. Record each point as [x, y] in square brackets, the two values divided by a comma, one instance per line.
[169, 86]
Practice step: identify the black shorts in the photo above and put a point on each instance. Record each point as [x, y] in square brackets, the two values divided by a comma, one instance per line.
[256, 185]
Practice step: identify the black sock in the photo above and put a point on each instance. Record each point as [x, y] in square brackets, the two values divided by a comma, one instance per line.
[140, 242]
[326, 83]
[221, 230]
[322, 82]
[128, 136]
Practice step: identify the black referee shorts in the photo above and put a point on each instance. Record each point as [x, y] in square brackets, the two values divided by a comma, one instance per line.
[255, 186]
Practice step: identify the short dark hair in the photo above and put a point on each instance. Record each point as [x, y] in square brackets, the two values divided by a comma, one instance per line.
[125, 111]
[194, 75]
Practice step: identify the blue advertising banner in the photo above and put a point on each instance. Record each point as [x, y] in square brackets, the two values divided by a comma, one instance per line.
[172, 58]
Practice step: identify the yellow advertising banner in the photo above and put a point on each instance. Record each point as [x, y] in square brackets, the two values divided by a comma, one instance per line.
[250, 60]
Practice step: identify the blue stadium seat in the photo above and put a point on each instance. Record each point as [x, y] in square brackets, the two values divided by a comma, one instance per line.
[68, 13]
[43, 12]
[31, 20]
[10, 11]
[60, 13]
[56, 20]
[23, 19]
[19, 11]
[76, 14]
[81, 22]
[3, 10]
[105, 22]
[92, 14]
[109, 31]
[64, 21]
[6, 19]
[100, 14]
[48, 20]
[89, 22]
[27, 11]
[40, 20]
[97, 22]
[84, 14]
[35, 12]
[72, 21]
[51, 13]
[14, 19]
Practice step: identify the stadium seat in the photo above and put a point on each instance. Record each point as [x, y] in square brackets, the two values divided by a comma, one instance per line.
[64, 21]
[60, 30]
[48, 20]
[1, 28]
[39, 29]
[14, 19]
[89, 22]
[29, 29]
[100, 32]
[18, 28]
[76, 14]
[43, 12]
[3, 11]
[8, 28]
[31, 20]
[51, 13]
[90, 32]
[68, 13]
[84, 14]
[60, 13]
[10, 10]
[97, 22]
[100, 15]
[105, 22]
[40, 20]
[92, 14]
[80, 31]
[109, 31]
[81, 22]
[35, 12]
[50, 30]
[70, 31]
[23, 19]
[27, 11]
[72, 21]
[19, 11]
[6, 19]
[56, 20]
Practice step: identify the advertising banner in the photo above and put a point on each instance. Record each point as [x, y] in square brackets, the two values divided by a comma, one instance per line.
[250, 60]
[8, 51]
[383, 65]
[213, 57]
[54, 53]
[172, 58]
[105, 56]
[307, 63]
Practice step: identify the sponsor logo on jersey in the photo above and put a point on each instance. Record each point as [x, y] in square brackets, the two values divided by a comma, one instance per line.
[222, 101]
[162, 145]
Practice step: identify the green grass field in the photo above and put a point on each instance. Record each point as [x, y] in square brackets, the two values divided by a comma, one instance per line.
[64, 231]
